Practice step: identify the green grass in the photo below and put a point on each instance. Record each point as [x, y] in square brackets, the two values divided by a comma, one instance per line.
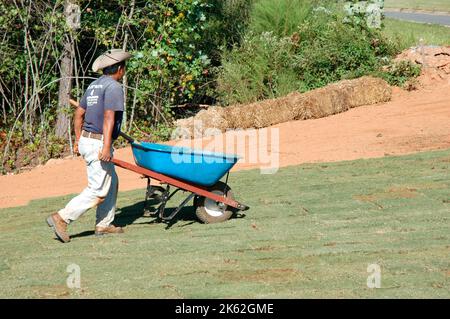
[431, 5]
[281, 17]
[408, 34]
[312, 231]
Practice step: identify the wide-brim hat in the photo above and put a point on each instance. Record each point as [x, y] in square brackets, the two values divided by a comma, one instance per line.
[109, 58]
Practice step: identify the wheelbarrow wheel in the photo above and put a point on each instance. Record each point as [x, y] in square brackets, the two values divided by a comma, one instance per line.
[209, 211]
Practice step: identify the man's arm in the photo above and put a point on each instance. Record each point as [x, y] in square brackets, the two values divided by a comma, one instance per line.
[78, 124]
[108, 126]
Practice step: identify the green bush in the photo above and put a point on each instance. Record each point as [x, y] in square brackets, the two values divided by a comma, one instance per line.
[399, 73]
[226, 24]
[281, 17]
[330, 51]
[258, 69]
[315, 47]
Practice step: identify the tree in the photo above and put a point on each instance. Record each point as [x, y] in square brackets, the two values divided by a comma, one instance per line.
[72, 14]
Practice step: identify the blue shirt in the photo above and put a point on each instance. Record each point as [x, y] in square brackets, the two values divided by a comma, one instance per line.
[103, 94]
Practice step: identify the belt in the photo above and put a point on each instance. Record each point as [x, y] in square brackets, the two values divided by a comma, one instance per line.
[92, 135]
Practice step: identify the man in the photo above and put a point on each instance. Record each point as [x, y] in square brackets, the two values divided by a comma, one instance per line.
[97, 123]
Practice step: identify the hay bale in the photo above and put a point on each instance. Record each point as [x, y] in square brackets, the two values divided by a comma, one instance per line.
[340, 97]
[368, 91]
[259, 114]
[332, 99]
[199, 124]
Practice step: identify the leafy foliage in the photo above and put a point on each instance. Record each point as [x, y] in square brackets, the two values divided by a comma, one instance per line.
[299, 51]
[365, 14]
[168, 62]
[282, 18]
[399, 73]
[170, 41]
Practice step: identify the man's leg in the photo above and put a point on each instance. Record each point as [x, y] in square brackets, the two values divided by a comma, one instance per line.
[73, 210]
[99, 183]
[107, 209]
[79, 205]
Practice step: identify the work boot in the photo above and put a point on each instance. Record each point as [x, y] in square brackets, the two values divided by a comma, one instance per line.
[111, 229]
[59, 227]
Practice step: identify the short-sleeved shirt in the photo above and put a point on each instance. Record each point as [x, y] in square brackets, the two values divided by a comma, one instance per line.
[105, 93]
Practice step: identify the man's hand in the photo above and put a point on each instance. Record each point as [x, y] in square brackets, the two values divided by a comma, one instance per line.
[108, 125]
[75, 148]
[105, 154]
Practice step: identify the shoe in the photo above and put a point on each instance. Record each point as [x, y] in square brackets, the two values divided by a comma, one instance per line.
[111, 229]
[59, 227]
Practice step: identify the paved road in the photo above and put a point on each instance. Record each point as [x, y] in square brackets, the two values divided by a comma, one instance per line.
[420, 17]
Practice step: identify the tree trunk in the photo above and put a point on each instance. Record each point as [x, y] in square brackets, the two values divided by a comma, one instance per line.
[65, 84]
[125, 78]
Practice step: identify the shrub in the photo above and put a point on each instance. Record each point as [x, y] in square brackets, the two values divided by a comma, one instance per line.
[258, 69]
[330, 51]
[399, 73]
[299, 55]
[281, 17]
[226, 24]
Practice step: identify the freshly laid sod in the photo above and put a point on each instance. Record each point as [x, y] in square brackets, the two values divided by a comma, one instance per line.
[430, 5]
[409, 34]
[312, 231]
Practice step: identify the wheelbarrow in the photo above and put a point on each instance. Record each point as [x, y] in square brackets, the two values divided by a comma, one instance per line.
[189, 170]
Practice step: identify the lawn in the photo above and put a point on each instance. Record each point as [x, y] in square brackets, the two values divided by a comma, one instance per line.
[312, 231]
[408, 34]
[430, 5]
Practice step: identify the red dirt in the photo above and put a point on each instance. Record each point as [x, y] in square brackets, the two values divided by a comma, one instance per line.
[412, 122]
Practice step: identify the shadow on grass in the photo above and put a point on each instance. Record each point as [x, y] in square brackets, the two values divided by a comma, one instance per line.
[83, 234]
[129, 214]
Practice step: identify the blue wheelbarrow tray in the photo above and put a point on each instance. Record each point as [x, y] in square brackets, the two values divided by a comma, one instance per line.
[200, 167]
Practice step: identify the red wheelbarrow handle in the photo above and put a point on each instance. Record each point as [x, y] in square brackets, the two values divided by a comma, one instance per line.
[193, 188]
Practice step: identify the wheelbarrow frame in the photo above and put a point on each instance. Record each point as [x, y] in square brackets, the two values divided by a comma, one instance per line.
[194, 189]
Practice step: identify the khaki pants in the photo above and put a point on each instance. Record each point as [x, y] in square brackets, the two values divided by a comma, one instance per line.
[101, 190]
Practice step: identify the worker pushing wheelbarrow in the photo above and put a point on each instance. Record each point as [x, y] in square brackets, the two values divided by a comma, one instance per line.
[97, 124]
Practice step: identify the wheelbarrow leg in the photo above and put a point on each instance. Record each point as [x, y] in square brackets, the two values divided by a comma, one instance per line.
[152, 192]
[165, 196]
[149, 192]
[176, 211]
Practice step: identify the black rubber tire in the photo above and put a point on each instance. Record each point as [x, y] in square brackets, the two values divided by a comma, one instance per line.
[202, 213]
